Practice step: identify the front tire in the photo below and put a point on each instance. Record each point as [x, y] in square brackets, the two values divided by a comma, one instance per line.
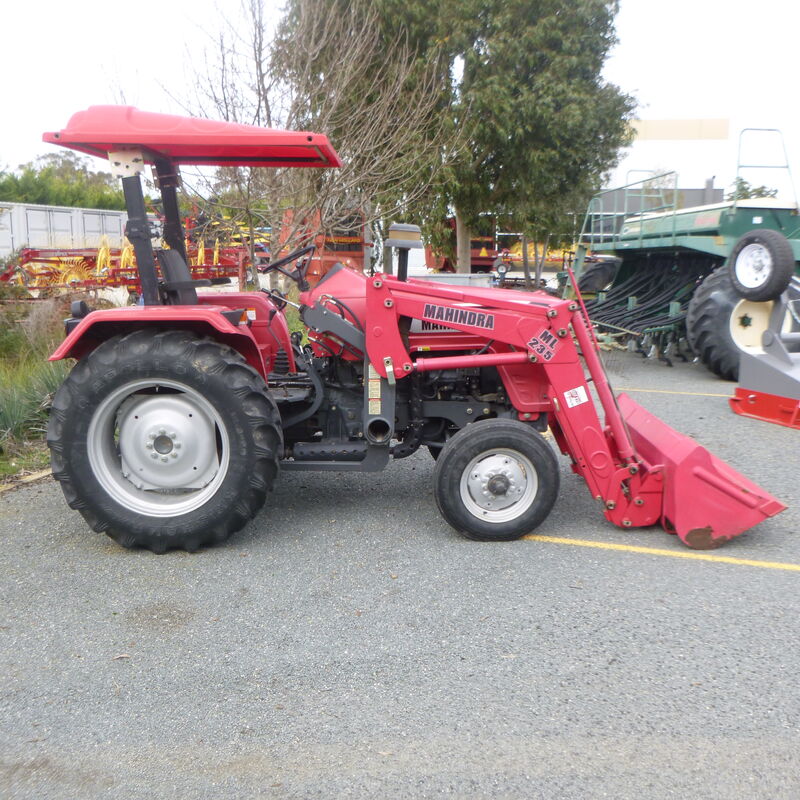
[496, 480]
[164, 440]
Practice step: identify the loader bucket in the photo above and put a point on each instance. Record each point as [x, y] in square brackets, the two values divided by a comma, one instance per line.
[705, 501]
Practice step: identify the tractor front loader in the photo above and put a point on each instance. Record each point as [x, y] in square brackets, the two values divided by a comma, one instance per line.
[181, 413]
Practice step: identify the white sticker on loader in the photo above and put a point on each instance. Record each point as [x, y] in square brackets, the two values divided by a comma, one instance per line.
[574, 397]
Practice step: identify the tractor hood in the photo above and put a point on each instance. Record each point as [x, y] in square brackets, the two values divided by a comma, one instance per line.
[187, 140]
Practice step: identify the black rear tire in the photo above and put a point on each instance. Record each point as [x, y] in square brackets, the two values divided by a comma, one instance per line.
[761, 265]
[720, 324]
[708, 324]
[597, 277]
[496, 480]
[100, 451]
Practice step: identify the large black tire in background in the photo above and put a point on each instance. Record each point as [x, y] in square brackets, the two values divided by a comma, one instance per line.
[164, 440]
[761, 265]
[708, 324]
[597, 277]
[496, 480]
[720, 324]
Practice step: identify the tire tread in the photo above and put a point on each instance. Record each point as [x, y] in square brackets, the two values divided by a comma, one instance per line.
[247, 386]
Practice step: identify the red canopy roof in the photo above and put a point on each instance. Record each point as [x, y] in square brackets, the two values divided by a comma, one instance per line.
[188, 140]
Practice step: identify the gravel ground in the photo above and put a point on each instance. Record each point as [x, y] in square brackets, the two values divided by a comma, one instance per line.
[349, 644]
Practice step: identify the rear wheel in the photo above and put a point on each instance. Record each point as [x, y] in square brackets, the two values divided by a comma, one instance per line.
[720, 324]
[597, 277]
[496, 480]
[164, 440]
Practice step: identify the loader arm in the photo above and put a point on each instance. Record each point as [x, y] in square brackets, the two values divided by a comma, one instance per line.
[541, 346]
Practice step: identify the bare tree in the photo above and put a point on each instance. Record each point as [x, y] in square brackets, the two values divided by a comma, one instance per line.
[325, 70]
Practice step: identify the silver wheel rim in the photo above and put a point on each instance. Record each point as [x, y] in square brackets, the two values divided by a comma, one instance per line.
[499, 485]
[158, 448]
[753, 265]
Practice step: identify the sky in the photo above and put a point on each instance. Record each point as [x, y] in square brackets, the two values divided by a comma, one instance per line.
[711, 59]
[681, 59]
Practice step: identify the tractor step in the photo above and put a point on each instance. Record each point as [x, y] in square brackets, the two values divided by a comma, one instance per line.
[330, 451]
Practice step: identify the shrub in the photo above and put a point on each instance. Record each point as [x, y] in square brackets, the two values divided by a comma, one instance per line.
[28, 333]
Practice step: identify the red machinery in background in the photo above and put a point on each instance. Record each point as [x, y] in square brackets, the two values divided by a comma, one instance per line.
[345, 244]
[484, 249]
[89, 269]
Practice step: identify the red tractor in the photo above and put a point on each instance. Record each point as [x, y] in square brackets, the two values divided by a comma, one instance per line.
[180, 413]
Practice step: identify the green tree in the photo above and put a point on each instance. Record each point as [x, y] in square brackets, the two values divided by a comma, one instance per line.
[544, 126]
[465, 106]
[61, 179]
[742, 190]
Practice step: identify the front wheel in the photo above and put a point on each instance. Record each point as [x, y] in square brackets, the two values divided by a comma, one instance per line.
[496, 480]
[164, 440]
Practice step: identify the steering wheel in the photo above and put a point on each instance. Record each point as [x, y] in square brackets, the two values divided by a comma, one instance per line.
[298, 275]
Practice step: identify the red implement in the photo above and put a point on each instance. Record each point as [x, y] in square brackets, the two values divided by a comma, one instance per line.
[705, 501]
[766, 407]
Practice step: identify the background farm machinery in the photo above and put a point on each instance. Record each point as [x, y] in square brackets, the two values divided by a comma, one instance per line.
[217, 250]
[663, 278]
[492, 246]
[94, 269]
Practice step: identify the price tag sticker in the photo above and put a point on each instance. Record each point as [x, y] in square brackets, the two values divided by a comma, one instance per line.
[574, 397]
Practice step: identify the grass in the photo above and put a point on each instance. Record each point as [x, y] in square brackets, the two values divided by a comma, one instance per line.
[27, 386]
[28, 333]
[34, 457]
[293, 315]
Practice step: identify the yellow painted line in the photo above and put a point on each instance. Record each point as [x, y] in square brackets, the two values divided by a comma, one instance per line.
[654, 551]
[670, 391]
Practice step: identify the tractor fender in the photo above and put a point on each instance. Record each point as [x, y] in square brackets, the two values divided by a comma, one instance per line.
[98, 326]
